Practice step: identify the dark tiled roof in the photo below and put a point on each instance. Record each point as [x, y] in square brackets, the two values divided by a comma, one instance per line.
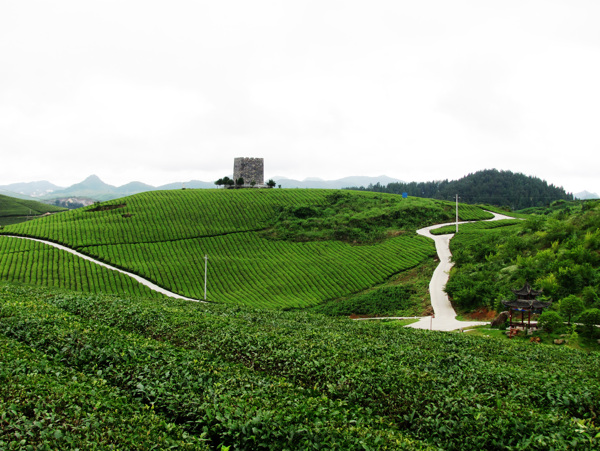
[527, 304]
[527, 292]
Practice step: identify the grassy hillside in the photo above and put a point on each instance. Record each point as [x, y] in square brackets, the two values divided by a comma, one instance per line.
[13, 210]
[262, 379]
[558, 251]
[267, 248]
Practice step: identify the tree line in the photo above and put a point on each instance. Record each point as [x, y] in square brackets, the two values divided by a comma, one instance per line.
[490, 186]
[239, 183]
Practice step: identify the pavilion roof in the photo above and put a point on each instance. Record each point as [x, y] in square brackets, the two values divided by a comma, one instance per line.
[526, 304]
[527, 292]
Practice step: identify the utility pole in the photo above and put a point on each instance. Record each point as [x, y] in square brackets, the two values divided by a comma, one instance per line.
[205, 269]
[457, 213]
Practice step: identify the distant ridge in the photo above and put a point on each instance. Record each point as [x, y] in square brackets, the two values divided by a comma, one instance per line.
[31, 189]
[490, 180]
[584, 195]
[489, 186]
[317, 183]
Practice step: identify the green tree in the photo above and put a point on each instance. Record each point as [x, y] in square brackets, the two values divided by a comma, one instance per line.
[227, 182]
[253, 183]
[590, 297]
[239, 182]
[590, 319]
[219, 182]
[271, 183]
[570, 306]
[550, 321]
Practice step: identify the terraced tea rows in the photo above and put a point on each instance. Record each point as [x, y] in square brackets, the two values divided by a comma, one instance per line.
[36, 263]
[167, 215]
[163, 236]
[246, 268]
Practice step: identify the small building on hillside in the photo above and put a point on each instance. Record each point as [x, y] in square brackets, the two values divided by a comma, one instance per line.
[251, 170]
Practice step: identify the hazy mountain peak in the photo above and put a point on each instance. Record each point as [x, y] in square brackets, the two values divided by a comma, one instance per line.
[583, 195]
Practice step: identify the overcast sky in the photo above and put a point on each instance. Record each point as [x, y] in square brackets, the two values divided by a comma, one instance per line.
[165, 91]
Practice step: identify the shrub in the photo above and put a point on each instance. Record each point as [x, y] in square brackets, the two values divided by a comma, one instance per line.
[590, 318]
[550, 321]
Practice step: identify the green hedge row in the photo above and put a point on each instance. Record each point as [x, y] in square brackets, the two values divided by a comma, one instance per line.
[225, 403]
[452, 390]
[45, 405]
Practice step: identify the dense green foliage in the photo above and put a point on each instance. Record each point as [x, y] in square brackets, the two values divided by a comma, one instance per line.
[40, 264]
[394, 300]
[13, 210]
[252, 378]
[490, 186]
[550, 321]
[559, 253]
[46, 405]
[359, 219]
[209, 397]
[257, 254]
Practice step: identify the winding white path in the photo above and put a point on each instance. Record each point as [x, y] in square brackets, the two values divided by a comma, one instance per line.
[444, 314]
[139, 279]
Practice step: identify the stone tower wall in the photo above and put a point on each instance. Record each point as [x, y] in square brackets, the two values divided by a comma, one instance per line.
[249, 169]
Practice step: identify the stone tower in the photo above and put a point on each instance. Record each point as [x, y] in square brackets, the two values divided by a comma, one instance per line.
[249, 169]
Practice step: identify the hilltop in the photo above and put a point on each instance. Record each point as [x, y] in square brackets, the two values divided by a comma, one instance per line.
[502, 188]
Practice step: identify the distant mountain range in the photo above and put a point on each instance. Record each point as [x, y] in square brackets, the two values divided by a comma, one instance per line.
[334, 184]
[93, 189]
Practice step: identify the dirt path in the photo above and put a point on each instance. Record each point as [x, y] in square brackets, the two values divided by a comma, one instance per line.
[139, 279]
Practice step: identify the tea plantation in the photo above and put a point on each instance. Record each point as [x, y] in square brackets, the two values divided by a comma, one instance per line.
[265, 379]
[90, 359]
[266, 248]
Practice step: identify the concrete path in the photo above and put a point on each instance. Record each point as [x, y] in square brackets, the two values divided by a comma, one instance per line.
[139, 279]
[444, 314]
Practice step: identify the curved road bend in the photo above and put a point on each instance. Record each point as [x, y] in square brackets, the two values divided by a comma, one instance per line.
[139, 279]
[444, 313]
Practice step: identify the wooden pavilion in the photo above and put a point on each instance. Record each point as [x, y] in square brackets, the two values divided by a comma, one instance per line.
[526, 302]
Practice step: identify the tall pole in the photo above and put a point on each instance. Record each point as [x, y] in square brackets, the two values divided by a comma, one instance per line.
[457, 213]
[205, 269]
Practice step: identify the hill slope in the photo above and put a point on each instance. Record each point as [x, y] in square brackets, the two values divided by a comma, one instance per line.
[557, 250]
[13, 210]
[268, 248]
